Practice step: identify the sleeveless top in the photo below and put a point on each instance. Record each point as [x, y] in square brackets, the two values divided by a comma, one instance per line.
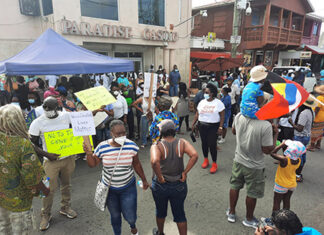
[286, 176]
[172, 166]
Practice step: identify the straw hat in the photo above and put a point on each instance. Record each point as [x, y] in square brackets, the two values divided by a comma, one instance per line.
[258, 73]
[319, 89]
[311, 102]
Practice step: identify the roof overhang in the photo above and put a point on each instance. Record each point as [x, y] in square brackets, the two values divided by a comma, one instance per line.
[207, 55]
[315, 49]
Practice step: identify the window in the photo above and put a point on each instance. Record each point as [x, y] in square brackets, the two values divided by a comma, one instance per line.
[315, 28]
[258, 57]
[47, 7]
[151, 12]
[268, 58]
[104, 9]
[257, 16]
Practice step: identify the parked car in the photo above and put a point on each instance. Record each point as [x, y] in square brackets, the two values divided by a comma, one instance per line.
[310, 79]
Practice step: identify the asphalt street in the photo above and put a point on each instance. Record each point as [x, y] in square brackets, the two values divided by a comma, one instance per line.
[206, 202]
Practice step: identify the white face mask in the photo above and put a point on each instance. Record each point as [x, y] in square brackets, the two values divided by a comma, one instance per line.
[50, 114]
[116, 93]
[120, 140]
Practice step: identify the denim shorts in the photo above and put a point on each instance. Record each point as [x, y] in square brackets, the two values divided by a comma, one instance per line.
[305, 140]
[174, 192]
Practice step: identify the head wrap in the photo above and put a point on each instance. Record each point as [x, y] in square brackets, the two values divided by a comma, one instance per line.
[295, 149]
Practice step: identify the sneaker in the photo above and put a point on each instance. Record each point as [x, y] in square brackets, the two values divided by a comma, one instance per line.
[45, 222]
[132, 233]
[252, 224]
[205, 163]
[221, 141]
[230, 217]
[156, 232]
[213, 169]
[299, 178]
[68, 212]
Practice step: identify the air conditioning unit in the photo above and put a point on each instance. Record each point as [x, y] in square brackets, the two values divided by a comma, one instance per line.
[29, 7]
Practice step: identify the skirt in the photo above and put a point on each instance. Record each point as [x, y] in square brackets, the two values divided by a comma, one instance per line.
[317, 131]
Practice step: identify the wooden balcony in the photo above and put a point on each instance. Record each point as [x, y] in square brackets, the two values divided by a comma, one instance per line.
[257, 36]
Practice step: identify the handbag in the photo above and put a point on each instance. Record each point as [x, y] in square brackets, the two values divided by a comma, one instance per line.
[102, 189]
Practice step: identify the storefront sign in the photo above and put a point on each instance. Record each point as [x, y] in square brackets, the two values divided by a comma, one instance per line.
[305, 54]
[114, 31]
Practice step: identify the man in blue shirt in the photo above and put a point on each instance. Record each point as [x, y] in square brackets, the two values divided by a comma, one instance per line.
[123, 80]
[175, 79]
[322, 76]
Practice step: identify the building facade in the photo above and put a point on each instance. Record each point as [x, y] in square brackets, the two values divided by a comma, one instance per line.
[272, 27]
[138, 30]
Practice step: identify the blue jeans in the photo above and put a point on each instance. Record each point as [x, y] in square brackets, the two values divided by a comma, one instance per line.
[174, 90]
[305, 140]
[176, 193]
[144, 130]
[122, 201]
[102, 134]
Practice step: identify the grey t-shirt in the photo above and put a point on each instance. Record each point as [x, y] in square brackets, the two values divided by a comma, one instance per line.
[251, 135]
[306, 120]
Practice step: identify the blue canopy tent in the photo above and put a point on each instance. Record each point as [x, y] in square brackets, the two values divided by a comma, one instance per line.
[52, 54]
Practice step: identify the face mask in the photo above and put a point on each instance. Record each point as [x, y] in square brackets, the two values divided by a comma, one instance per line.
[16, 104]
[120, 140]
[122, 76]
[50, 114]
[176, 70]
[31, 101]
[116, 93]
[213, 79]
[142, 87]
[206, 96]
[125, 92]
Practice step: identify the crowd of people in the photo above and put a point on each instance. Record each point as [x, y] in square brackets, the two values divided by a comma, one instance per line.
[32, 106]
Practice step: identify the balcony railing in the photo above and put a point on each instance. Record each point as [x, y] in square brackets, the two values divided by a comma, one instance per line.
[275, 35]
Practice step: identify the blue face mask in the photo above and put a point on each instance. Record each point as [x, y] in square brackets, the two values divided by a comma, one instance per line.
[206, 96]
[31, 101]
[176, 70]
[16, 104]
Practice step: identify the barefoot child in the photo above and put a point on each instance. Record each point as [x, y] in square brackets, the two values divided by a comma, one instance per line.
[285, 180]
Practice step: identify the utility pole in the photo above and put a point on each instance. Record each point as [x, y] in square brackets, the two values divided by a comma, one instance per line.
[235, 30]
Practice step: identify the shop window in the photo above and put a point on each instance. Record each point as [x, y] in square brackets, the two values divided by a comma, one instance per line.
[151, 12]
[248, 58]
[121, 54]
[285, 62]
[135, 54]
[268, 58]
[104, 9]
[47, 7]
[259, 56]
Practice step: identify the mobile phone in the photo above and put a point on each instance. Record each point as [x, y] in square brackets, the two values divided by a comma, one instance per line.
[193, 138]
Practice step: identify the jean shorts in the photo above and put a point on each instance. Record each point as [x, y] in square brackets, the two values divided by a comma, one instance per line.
[176, 193]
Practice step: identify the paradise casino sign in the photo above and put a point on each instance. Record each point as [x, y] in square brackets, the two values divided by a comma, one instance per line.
[114, 31]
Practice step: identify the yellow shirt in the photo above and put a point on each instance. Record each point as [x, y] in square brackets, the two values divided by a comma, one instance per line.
[320, 115]
[286, 176]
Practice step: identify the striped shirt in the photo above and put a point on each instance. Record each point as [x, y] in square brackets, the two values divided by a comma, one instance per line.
[124, 172]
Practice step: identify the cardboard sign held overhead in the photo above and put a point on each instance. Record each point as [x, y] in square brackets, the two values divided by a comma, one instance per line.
[82, 123]
[150, 81]
[96, 97]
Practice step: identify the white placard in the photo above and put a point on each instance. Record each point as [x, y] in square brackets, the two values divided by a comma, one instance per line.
[147, 79]
[82, 123]
[99, 118]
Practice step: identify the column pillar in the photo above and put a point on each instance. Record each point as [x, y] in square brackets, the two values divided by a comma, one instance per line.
[171, 60]
[166, 55]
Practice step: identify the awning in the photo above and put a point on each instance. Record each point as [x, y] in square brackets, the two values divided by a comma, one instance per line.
[220, 64]
[211, 55]
[315, 49]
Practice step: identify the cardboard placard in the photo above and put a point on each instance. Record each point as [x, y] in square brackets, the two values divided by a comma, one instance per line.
[63, 142]
[96, 97]
[99, 118]
[82, 123]
[147, 84]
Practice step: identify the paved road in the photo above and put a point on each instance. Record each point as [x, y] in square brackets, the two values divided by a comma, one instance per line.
[205, 205]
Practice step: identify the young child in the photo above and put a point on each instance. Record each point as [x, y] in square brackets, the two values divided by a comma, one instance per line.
[182, 106]
[226, 99]
[285, 180]
[252, 96]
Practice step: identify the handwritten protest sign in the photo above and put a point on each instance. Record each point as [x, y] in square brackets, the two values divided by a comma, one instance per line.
[82, 123]
[99, 118]
[96, 97]
[63, 142]
[147, 83]
[30, 118]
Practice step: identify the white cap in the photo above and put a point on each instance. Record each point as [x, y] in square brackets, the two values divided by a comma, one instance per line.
[258, 73]
[291, 71]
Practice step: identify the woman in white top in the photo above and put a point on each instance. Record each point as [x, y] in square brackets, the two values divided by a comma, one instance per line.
[120, 106]
[141, 104]
[210, 116]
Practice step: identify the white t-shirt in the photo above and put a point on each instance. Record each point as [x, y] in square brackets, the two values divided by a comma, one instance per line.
[120, 107]
[52, 79]
[284, 121]
[39, 111]
[43, 124]
[235, 90]
[209, 111]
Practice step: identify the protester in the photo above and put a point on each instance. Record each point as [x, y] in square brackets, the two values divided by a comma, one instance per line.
[129, 96]
[32, 83]
[164, 105]
[164, 86]
[318, 125]
[41, 88]
[4, 94]
[21, 173]
[226, 99]
[120, 106]
[182, 106]
[174, 80]
[200, 95]
[254, 138]
[141, 105]
[285, 181]
[102, 130]
[139, 94]
[22, 93]
[77, 83]
[321, 82]
[286, 131]
[210, 116]
[123, 80]
[235, 95]
[286, 223]
[67, 105]
[252, 97]
[302, 129]
[34, 100]
[299, 76]
[53, 120]
[169, 180]
[139, 80]
[122, 196]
